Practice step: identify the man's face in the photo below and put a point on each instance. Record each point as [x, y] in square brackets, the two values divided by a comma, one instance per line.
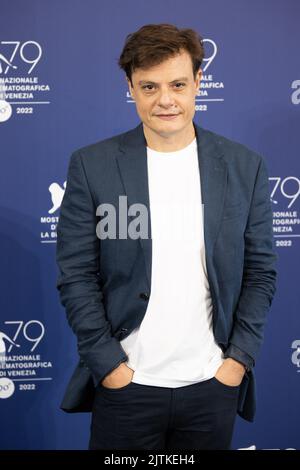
[165, 94]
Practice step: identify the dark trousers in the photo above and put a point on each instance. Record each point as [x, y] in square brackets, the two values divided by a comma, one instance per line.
[198, 416]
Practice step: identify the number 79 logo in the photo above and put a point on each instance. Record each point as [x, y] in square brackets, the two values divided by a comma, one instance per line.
[23, 328]
[22, 49]
[281, 185]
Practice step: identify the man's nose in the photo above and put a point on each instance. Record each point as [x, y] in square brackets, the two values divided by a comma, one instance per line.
[165, 97]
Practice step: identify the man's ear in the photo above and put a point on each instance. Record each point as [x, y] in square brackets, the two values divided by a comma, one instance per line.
[130, 87]
[198, 79]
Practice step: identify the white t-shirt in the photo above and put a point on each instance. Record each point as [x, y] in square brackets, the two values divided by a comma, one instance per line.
[174, 345]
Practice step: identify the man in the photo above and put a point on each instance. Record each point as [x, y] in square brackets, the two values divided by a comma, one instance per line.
[168, 323]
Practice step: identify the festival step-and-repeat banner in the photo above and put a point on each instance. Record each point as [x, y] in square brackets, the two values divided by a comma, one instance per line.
[61, 89]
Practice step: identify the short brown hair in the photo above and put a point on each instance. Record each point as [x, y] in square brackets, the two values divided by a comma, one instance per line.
[154, 43]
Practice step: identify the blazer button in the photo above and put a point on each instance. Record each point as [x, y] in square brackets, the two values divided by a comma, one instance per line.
[144, 296]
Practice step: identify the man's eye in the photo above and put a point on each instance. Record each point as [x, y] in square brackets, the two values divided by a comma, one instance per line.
[148, 87]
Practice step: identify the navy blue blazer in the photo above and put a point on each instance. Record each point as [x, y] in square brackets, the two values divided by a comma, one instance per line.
[105, 284]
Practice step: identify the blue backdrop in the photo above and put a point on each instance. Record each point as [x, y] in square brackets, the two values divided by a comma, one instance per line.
[60, 89]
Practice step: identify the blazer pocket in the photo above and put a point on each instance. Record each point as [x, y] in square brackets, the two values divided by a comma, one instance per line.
[232, 211]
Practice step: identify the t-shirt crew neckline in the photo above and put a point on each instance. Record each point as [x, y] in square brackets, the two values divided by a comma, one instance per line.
[176, 152]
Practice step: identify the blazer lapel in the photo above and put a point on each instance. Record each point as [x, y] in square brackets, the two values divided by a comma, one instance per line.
[132, 162]
[213, 177]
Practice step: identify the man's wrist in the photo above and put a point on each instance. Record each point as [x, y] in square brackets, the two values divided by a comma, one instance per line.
[237, 365]
[238, 355]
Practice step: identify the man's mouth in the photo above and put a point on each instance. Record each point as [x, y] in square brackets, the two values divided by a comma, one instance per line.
[166, 116]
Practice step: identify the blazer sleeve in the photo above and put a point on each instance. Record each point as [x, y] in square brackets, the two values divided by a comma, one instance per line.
[259, 276]
[77, 256]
